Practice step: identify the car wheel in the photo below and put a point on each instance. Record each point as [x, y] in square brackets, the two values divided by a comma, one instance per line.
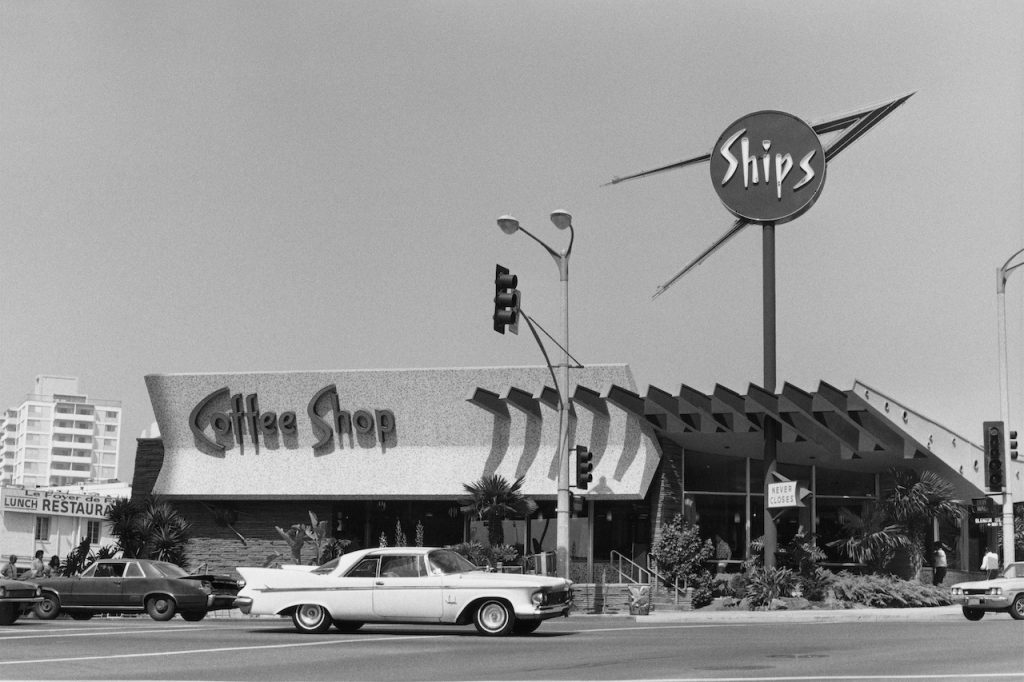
[193, 616]
[1017, 607]
[494, 618]
[48, 609]
[161, 607]
[347, 625]
[973, 614]
[311, 619]
[81, 615]
[525, 627]
[9, 613]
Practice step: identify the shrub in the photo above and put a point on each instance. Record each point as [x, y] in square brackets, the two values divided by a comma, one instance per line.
[814, 586]
[886, 591]
[765, 585]
[477, 554]
[703, 592]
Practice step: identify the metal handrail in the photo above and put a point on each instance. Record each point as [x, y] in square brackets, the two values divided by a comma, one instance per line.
[643, 576]
[633, 573]
[652, 566]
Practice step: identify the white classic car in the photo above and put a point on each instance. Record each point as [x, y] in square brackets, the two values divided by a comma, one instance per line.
[404, 585]
[1005, 593]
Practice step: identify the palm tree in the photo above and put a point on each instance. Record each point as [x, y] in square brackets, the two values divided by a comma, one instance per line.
[914, 502]
[871, 539]
[150, 530]
[494, 499]
[123, 518]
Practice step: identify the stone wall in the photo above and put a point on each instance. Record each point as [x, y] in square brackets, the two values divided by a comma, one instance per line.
[607, 598]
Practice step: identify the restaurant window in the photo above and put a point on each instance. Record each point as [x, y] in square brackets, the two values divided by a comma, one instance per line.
[92, 531]
[714, 473]
[42, 529]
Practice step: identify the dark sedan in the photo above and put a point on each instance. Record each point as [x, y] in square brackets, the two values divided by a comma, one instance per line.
[16, 596]
[158, 588]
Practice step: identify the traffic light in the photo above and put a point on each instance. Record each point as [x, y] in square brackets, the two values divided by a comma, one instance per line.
[506, 301]
[1013, 445]
[584, 465]
[994, 456]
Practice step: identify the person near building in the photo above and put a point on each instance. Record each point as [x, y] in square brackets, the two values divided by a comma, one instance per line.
[990, 564]
[38, 568]
[10, 569]
[53, 568]
[938, 564]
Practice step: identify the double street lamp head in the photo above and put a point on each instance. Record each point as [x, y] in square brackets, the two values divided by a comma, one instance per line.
[561, 219]
[510, 225]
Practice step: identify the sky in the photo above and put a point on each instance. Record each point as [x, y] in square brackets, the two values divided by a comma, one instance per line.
[226, 186]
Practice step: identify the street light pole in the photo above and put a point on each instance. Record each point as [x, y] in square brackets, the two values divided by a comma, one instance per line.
[561, 220]
[1004, 407]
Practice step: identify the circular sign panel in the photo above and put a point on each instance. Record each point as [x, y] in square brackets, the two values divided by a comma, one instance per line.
[768, 167]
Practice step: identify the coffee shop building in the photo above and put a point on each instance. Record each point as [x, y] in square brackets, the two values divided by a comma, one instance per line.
[384, 453]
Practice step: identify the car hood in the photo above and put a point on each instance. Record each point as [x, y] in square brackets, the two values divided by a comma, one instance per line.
[17, 584]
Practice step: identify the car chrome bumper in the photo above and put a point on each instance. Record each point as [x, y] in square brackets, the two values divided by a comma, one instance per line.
[243, 604]
[982, 601]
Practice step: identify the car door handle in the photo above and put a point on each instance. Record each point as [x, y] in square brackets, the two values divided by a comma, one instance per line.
[379, 582]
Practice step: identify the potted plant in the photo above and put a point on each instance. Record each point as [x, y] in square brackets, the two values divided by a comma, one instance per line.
[639, 600]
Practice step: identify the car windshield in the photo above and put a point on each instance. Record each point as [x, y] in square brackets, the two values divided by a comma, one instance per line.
[446, 561]
[328, 567]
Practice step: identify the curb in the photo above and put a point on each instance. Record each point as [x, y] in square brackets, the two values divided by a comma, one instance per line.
[861, 615]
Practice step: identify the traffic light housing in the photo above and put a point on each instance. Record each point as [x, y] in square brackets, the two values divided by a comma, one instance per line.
[584, 465]
[1013, 445]
[994, 444]
[506, 301]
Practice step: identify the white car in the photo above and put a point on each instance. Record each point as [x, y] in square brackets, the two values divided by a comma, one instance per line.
[404, 585]
[1005, 593]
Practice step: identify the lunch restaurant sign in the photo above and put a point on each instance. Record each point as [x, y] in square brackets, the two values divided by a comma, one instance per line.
[55, 503]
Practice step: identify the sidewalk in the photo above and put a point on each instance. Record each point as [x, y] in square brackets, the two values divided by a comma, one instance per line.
[928, 613]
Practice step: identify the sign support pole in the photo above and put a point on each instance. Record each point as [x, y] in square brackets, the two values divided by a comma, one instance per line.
[771, 428]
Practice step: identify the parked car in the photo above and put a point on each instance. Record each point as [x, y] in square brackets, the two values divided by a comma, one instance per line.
[1005, 593]
[404, 585]
[158, 588]
[15, 597]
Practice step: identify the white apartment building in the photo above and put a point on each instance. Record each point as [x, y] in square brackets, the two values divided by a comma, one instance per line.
[58, 437]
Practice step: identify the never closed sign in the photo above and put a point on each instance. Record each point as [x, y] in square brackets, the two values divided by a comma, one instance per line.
[782, 494]
[768, 167]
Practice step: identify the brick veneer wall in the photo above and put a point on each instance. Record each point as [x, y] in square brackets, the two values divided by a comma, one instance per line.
[215, 544]
[667, 498]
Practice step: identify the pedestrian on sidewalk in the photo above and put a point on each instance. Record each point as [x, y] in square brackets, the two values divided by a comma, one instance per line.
[990, 564]
[938, 564]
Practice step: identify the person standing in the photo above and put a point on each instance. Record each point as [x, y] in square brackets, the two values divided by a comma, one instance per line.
[10, 569]
[938, 564]
[38, 568]
[990, 564]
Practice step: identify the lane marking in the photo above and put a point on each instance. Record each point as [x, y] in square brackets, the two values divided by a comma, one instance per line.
[215, 650]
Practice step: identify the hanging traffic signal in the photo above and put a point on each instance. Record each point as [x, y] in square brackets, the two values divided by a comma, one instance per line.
[584, 465]
[506, 301]
[1013, 445]
[994, 456]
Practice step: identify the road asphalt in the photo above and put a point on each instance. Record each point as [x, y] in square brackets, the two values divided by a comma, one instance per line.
[702, 616]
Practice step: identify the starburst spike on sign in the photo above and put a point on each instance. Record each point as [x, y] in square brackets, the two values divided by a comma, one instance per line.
[853, 126]
[733, 231]
[671, 166]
